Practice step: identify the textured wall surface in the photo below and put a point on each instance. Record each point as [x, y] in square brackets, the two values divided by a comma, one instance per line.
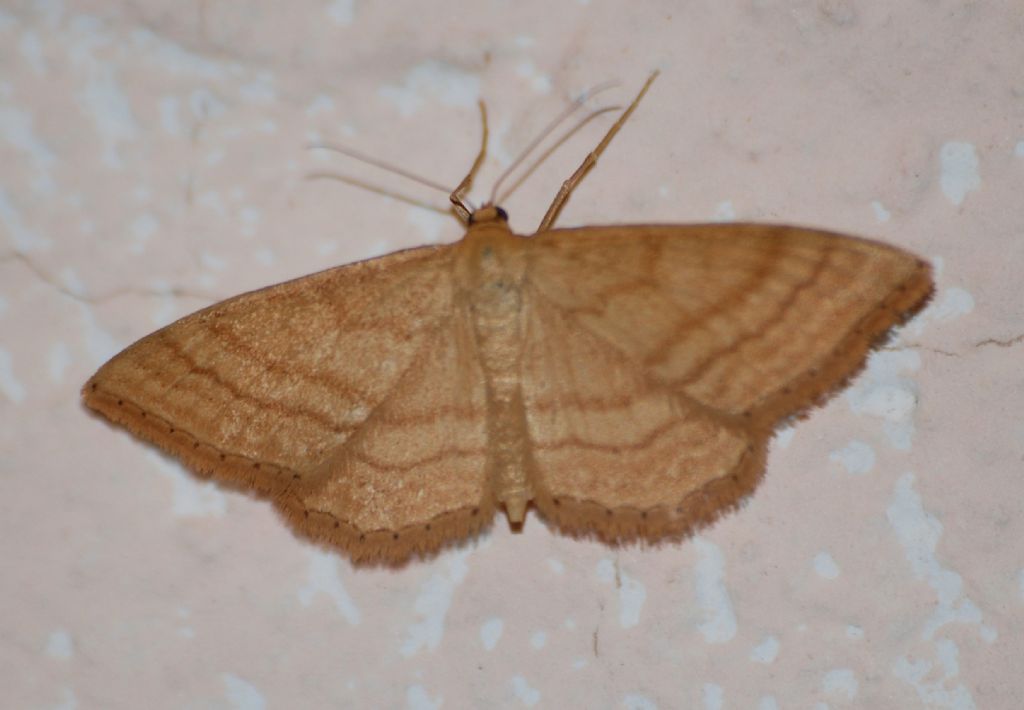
[152, 161]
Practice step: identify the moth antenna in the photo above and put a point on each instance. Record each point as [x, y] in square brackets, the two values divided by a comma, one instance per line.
[463, 207]
[591, 160]
[379, 190]
[586, 95]
[363, 158]
[551, 149]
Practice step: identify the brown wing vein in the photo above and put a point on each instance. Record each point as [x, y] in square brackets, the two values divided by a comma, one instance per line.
[442, 454]
[698, 370]
[195, 368]
[575, 441]
[244, 351]
[687, 401]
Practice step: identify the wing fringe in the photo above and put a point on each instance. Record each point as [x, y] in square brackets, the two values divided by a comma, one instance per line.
[284, 487]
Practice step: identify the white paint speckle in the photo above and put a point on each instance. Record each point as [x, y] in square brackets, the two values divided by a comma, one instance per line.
[167, 304]
[10, 385]
[490, 633]
[241, 694]
[212, 261]
[933, 685]
[50, 12]
[503, 154]
[951, 304]
[959, 171]
[825, 566]
[260, 90]
[16, 128]
[265, 256]
[724, 212]
[440, 81]
[713, 696]
[212, 200]
[635, 701]
[892, 403]
[69, 279]
[175, 59]
[103, 99]
[631, 599]
[205, 105]
[429, 224]
[1018, 149]
[579, 663]
[326, 248]
[185, 631]
[250, 217]
[31, 50]
[342, 12]
[432, 604]
[320, 104]
[632, 592]
[881, 214]
[538, 639]
[556, 566]
[98, 342]
[22, 238]
[855, 633]
[719, 620]
[884, 393]
[69, 701]
[784, 437]
[840, 683]
[169, 108]
[142, 229]
[526, 694]
[766, 651]
[192, 498]
[856, 457]
[767, 702]
[324, 579]
[59, 645]
[417, 698]
[539, 82]
[58, 361]
[918, 533]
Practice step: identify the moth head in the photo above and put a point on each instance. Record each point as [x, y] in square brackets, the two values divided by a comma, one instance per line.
[488, 213]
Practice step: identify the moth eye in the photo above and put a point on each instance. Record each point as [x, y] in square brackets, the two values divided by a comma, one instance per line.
[502, 214]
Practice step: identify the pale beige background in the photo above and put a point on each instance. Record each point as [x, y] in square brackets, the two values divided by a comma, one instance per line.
[152, 161]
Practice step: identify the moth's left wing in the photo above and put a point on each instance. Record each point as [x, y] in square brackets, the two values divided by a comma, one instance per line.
[752, 320]
[615, 453]
[659, 359]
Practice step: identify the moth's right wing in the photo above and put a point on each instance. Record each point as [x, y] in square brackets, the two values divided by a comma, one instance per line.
[291, 388]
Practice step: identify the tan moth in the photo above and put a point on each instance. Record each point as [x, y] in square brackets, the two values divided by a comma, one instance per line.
[623, 380]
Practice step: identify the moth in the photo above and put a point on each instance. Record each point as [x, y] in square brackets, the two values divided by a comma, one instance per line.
[622, 380]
